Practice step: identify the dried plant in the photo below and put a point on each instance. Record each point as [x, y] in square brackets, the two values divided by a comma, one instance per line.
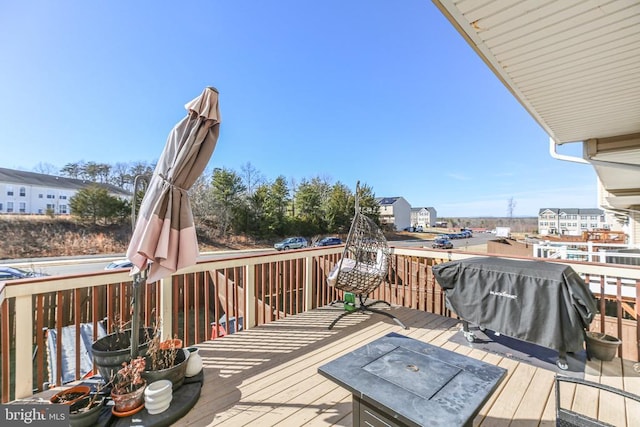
[90, 402]
[129, 377]
[161, 354]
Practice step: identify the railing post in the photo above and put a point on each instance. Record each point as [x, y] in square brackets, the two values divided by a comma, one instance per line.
[166, 302]
[308, 284]
[24, 347]
[250, 296]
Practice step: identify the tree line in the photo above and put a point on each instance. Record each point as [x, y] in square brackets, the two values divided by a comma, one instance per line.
[229, 202]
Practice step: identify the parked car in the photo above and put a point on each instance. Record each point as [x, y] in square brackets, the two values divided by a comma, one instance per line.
[121, 263]
[329, 241]
[291, 243]
[442, 244]
[10, 273]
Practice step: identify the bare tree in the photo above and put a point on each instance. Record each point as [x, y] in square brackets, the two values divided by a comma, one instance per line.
[46, 168]
[251, 177]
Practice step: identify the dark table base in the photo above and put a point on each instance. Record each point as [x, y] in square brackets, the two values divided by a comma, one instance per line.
[183, 400]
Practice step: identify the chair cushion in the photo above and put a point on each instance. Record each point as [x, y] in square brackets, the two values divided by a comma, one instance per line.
[347, 264]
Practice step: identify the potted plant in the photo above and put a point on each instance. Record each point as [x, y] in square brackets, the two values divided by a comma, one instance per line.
[165, 360]
[86, 411]
[128, 386]
[111, 351]
[84, 406]
[70, 395]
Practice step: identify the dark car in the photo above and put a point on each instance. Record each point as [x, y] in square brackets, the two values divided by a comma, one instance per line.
[9, 273]
[329, 241]
[442, 244]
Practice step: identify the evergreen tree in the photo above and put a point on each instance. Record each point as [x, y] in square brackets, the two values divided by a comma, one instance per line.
[227, 189]
[94, 204]
[340, 209]
[278, 199]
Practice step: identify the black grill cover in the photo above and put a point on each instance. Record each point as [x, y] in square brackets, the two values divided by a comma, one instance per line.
[540, 302]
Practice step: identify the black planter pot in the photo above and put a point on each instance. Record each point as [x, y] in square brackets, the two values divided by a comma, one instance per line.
[111, 351]
[602, 346]
[175, 374]
[86, 417]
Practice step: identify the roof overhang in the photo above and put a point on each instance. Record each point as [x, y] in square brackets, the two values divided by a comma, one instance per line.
[575, 67]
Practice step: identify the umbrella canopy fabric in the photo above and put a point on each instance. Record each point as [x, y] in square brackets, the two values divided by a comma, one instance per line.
[165, 233]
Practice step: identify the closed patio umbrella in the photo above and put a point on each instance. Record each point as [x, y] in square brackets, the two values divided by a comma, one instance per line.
[164, 238]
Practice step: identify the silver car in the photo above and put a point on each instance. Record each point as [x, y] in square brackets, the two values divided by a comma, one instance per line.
[121, 263]
[291, 243]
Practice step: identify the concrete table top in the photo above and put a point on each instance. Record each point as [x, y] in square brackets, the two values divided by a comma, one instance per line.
[414, 382]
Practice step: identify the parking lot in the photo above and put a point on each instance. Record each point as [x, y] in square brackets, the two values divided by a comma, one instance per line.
[477, 243]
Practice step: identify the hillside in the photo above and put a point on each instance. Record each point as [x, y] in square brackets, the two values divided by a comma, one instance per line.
[39, 236]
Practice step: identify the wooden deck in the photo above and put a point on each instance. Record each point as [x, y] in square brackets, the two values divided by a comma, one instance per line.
[268, 375]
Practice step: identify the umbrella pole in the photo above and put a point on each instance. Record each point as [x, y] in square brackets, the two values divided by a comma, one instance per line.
[139, 279]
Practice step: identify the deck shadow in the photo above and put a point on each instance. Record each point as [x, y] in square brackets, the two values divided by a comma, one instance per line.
[522, 351]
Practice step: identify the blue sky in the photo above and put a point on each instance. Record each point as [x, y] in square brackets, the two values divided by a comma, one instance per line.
[383, 92]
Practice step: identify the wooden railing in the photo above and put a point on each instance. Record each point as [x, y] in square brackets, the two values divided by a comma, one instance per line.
[222, 296]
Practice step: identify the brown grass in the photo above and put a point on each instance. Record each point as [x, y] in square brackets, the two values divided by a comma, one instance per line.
[39, 236]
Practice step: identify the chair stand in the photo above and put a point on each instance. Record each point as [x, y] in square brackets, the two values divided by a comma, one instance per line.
[366, 307]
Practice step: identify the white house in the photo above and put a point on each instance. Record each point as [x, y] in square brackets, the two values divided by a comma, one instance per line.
[36, 193]
[423, 217]
[395, 211]
[572, 221]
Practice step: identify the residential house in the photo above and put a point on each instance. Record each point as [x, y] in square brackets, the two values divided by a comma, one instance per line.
[36, 193]
[395, 211]
[572, 221]
[423, 217]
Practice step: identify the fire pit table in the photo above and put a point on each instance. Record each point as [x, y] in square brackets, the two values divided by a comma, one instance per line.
[406, 382]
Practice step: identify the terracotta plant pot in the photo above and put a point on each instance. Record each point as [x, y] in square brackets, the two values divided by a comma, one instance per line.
[171, 343]
[71, 395]
[127, 403]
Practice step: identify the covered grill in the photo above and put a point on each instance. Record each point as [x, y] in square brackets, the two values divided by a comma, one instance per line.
[539, 302]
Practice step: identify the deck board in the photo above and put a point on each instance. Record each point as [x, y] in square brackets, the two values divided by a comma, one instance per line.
[268, 375]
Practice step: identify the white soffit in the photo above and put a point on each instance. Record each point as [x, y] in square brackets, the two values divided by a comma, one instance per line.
[573, 64]
[619, 181]
[625, 202]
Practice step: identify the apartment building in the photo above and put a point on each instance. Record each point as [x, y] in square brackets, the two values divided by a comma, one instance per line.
[36, 193]
[572, 221]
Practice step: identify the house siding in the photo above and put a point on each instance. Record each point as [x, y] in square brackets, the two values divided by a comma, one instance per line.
[423, 217]
[571, 221]
[395, 211]
[28, 193]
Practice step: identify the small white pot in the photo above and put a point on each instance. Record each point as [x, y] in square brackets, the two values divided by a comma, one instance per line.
[194, 362]
[158, 396]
